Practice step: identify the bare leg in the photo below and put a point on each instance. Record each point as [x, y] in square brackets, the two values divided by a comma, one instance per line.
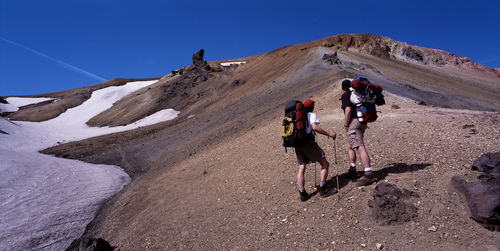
[300, 175]
[365, 158]
[352, 153]
[324, 169]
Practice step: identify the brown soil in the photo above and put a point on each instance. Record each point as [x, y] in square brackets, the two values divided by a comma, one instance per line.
[242, 193]
[221, 180]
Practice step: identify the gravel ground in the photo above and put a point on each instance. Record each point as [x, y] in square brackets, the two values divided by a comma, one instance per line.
[218, 177]
[241, 194]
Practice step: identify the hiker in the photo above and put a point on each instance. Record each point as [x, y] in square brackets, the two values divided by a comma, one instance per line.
[311, 153]
[354, 131]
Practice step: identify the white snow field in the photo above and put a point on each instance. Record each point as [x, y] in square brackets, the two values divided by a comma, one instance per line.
[46, 202]
[15, 102]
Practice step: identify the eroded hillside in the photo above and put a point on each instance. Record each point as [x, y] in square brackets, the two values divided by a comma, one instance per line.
[216, 177]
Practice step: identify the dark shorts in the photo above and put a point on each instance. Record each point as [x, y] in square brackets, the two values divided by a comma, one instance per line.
[355, 133]
[309, 153]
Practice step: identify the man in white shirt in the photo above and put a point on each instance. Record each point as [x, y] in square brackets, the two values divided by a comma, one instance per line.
[311, 152]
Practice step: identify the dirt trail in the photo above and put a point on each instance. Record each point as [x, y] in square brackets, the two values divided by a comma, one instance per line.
[241, 194]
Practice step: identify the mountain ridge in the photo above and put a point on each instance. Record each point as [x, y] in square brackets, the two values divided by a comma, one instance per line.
[225, 107]
[364, 44]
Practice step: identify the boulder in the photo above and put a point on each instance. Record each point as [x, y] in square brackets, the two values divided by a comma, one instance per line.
[332, 58]
[482, 199]
[198, 59]
[391, 205]
[90, 244]
[238, 82]
[438, 60]
[414, 54]
[488, 163]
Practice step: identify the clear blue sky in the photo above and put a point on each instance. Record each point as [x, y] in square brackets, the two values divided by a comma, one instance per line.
[54, 45]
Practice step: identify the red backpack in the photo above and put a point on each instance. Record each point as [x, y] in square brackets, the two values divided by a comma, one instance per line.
[365, 95]
[293, 130]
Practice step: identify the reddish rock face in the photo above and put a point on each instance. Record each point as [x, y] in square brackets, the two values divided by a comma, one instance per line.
[387, 48]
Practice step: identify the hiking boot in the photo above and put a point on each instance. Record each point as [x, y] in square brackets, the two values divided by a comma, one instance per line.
[324, 191]
[352, 174]
[304, 195]
[367, 179]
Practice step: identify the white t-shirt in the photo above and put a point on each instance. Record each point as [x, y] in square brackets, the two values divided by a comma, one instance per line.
[311, 118]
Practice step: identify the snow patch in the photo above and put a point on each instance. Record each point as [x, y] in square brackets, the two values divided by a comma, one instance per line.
[15, 102]
[20, 101]
[163, 115]
[231, 63]
[46, 202]
[8, 108]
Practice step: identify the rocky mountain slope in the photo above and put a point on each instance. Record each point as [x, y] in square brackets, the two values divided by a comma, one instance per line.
[241, 193]
[217, 177]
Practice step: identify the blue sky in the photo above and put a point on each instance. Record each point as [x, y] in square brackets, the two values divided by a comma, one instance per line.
[48, 46]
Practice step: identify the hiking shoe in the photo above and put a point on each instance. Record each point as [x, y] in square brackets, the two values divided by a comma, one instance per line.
[367, 179]
[304, 195]
[323, 191]
[352, 174]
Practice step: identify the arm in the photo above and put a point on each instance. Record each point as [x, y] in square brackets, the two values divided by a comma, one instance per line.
[347, 116]
[318, 129]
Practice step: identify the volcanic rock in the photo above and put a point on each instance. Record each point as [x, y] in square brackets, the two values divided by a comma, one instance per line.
[190, 77]
[238, 82]
[438, 60]
[331, 58]
[3, 101]
[483, 198]
[90, 244]
[198, 59]
[488, 163]
[389, 205]
[413, 54]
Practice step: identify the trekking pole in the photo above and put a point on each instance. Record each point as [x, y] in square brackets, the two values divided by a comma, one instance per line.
[315, 175]
[337, 166]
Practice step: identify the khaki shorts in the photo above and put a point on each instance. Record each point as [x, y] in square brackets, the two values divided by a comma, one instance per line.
[355, 133]
[309, 153]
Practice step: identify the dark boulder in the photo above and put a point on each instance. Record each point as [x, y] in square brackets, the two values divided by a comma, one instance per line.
[438, 60]
[188, 77]
[3, 101]
[488, 163]
[237, 83]
[198, 59]
[391, 205]
[331, 58]
[413, 54]
[482, 199]
[90, 244]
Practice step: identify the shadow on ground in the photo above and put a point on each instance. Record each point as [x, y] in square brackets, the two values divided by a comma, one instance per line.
[379, 174]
